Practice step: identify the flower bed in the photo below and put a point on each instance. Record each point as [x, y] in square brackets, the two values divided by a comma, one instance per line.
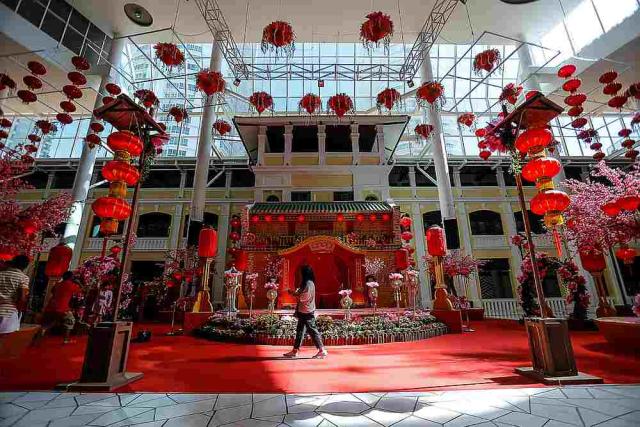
[271, 329]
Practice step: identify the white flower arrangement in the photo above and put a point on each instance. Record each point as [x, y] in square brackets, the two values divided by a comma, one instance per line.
[345, 292]
[412, 273]
[251, 277]
[271, 285]
[395, 276]
[372, 285]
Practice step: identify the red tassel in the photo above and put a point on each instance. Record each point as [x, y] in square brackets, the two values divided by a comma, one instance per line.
[557, 242]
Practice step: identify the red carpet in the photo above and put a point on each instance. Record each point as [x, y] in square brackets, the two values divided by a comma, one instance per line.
[483, 359]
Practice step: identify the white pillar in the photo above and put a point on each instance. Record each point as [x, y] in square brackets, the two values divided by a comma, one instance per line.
[174, 233]
[419, 239]
[201, 177]
[220, 260]
[380, 138]
[288, 143]
[262, 144]
[322, 145]
[227, 184]
[87, 161]
[438, 151]
[355, 143]
[412, 181]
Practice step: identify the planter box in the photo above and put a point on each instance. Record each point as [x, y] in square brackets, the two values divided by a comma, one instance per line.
[621, 332]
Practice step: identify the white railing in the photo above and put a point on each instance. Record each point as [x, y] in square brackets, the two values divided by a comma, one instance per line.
[542, 242]
[489, 241]
[142, 244]
[509, 308]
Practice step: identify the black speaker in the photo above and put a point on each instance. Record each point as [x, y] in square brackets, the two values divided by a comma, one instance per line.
[451, 233]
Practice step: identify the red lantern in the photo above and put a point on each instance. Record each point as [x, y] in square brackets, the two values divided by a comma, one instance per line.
[360, 217]
[235, 223]
[80, 63]
[430, 93]
[340, 217]
[423, 130]
[222, 127]
[588, 135]
[629, 203]
[510, 93]
[26, 96]
[169, 54]
[115, 250]
[112, 208]
[3, 135]
[405, 222]
[386, 217]
[632, 154]
[77, 78]
[96, 127]
[530, 94]
[541, 169]
[481, 133]
[575, 111]
[59, 260]
[612, 88]
[624, 133]
[617, 101]
[566, 71]
[550, 202]
[93, 140]
[34, 138]
[579, 123]
[633, 91]
[25, 158]
[311, 103]
[115, 170]
[147, 97]
[608, 77]
[30, 148]
[281, 218]
[598, 156]
[486, 60]
[572, 85]
[268, 218]
[402, 259]
[5, 123]
[388, 98]
[592, 261]
[628, 143]
[261, 101]
[301, 218]
[595, 146]
[210, 82]
[406, 236]
[171, 284]
[467, 119]
[45, 126]
[68, 106]
[340, 104]
[611, 209]
[279, 37]
[36, 68]
[378, 27]
[64, 118]
[234, 236]
[575, 99]
[255, 219]
[436, 242]
[178, 113]
[6, 82]
[32, 82]
[125, 141]
[533, 140]
[113, 89]
[72, 92]
[484, 154]
[106, 100]
[207, 243]
[7, 253]
[626, 254]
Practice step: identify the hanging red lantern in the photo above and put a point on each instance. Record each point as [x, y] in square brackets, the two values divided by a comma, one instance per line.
[598, 156]
[617, 101]
[566, 71]
[481, 133]
[281, 218]
[633, 91]
[612, 88]
[64, 118]
[261, 101]
[113, 89]
[222, 127]
[255, 219]
[115, 250]
[360, 217]
[147, 97]
[572, 85]
[207, 243]
[234, 236]
[575, 111]
[311, 103]
[579, 123]
[59, 260]
[551, 202]
[340, 217]
[430, 93]
[624, 133]
[541, 169]
[436, 242]
[26, 96]
[301, 218]
[80, 63]
[628, 143]
[595, 146]
[235, 223]
[68, 106]
[592, 261]
[32, 82]
[608, 77]
[36, 68]
[160, 139]
[72, 92]
[116, 170]
[629, 203]
[210, 82]
[169, 54]
[25, 158]
[5, 123]
[77, 78]
[96, 127]
[510, 93]
[588, 135]
[626, 254]
[7, 82]
[125, 141]
[405, 222]
[575, 99]
[533, 140]
[109, 207]
[388, 98]
[92, 140]
[484, 154]
[423, 130]
[178, 113]
[632, 154]
[467, 119]
[402, 259]
[30, 148]
[45, 126]
[278, 37]
[486, 60]
[406, 236]
[377, 28]
[3, 135]
[268, 218]
[611, 209]
[34, 138]
[106, 100]
[340, 105]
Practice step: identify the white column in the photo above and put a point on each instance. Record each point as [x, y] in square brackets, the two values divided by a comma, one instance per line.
[174, 234]
[201, 177]
[412, 181]
[88, 159]
[288, 143]
[355, 143]
[262, 144]
[419, 239]
[322, 145]
[220, 261]
[380, 138]
[438, 151]
[227, 184]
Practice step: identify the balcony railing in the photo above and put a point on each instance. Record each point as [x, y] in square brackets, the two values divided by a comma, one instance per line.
[271, 243]
[489, 241]
[509, 308]
[142, 244]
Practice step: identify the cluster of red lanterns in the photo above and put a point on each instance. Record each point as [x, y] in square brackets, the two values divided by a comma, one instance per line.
[423, 130]
[169, 54]
[510, 93]
[311, 103]
[378, 28]
[32, 82]
[113, 90]
[405, 228]
[222, 127]
[235, 231]
[93, 139]
[120, 173]
[340, 105]
[628, 143]
[210, 82]
[147, 97]
[430, 93]
[627, 203]
[486, 60]
[467, 119]
[178, 113]
[261, 101]
[278, 37]
[611, 88]
[7, 82]
[388, 98]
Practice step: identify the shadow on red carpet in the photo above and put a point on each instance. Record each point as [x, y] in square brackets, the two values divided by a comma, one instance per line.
[482, 359]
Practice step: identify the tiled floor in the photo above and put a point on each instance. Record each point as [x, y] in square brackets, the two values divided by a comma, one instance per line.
[550, 407]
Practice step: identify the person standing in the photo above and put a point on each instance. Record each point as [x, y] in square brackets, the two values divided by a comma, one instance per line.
[14, 290]
[58, 312]
[305, 313]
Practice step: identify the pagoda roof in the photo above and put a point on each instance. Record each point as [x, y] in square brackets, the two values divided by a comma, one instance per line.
[319, 207]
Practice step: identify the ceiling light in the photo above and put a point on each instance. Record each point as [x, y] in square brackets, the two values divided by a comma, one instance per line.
[138, 14]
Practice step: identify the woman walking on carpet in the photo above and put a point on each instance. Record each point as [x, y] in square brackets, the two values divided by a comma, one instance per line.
[305, 313]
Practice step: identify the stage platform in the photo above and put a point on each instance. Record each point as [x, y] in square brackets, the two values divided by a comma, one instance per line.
[335, 313]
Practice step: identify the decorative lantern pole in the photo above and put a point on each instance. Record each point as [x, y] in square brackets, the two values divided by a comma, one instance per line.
[232, 282]
[595, 264]
[207, 249]
[437, 248]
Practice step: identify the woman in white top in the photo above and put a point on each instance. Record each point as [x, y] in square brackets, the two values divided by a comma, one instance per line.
[305, 313]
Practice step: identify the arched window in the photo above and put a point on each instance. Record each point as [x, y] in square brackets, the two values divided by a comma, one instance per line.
[273, 198]
[431, 218]
[371, 198]
[536, 221]
[209, 219]
[485, 222]
[95, 227]
[154, 224]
